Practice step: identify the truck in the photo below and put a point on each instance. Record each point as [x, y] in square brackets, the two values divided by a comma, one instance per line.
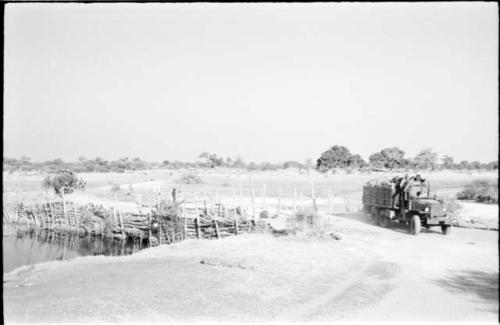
[387, 204]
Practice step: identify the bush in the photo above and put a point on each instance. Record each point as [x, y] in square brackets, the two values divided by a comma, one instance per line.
[63, 182]
[480, 191]
[306, 225]
[452, 206]
[189, 179]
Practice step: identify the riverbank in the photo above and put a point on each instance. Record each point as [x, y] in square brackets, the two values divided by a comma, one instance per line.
[257, 277]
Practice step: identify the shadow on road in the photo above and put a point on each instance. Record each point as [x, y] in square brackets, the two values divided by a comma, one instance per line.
[481, 284]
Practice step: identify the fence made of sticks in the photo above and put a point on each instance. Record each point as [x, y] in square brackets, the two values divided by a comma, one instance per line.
[162, 224]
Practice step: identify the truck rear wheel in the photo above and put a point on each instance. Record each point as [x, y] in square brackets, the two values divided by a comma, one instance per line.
[415, 225]
[374, 214]
[446, 229]
[383, 220]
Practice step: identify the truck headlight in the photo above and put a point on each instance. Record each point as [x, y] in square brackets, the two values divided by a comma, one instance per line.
[427, 209]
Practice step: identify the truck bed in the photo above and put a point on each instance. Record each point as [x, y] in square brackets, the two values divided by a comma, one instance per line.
[377, 196]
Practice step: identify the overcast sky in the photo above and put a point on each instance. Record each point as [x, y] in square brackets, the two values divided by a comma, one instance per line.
[269, 82]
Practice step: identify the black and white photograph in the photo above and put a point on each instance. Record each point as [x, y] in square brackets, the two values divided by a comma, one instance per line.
[273, 162]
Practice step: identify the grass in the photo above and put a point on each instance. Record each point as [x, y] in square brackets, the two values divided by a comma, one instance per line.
[190, 179]
[452, 206]
[307, 225]
[483, 191]
[197, 184]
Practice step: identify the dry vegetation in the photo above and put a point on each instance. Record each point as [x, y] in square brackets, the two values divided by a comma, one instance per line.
[125, 190]
[484, 191]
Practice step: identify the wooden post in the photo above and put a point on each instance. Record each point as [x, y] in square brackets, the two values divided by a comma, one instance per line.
[149, 229]
[76, 220]
[160, 234]
[206, 207]
[121, 224]
[252, 198]
[216, 229]
[63, 203]
[40, 217]
[236, 221]
[294, 199]
[51, 216]
[198, 231]
[71, 218]
[185, 226]
[35, 218]
[42, 210]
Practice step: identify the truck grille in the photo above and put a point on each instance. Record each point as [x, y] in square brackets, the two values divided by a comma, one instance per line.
[436, 210]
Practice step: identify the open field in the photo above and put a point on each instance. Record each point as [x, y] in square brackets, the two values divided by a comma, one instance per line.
[371, 274]
[233, 187]
[259, 277]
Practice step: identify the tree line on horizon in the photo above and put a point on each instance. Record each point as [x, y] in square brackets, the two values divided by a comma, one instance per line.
[336, 157]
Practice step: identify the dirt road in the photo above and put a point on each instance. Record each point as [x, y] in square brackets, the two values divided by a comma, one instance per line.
[370, 274]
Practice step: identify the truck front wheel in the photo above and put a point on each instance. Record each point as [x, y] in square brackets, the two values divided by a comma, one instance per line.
[415, 225]
[446, 229]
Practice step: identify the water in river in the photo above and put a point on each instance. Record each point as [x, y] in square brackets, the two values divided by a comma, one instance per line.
[25, 247]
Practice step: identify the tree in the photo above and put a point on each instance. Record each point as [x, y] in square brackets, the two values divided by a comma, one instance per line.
[464, 164]
[388, 158]
[474, 165]
[405, 162]
[290, 164]
[25, 160]
[238, 162]
[211, 160]
[377, 160]
[63, 182]
[426, 159]
[58, 161]
[335, 157]
[492, 165]
[138, 164]
[447, 162]
[393, 157]
[356, 161]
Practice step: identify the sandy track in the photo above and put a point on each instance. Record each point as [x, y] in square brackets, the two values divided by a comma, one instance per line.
[371, 274]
